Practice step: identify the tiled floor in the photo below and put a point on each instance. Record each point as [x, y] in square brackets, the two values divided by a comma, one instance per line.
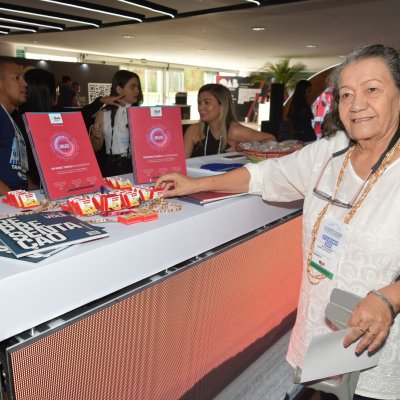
[270, 377]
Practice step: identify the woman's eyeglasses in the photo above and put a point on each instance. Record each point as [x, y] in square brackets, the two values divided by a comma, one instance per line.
[374, 168]
[329, 198]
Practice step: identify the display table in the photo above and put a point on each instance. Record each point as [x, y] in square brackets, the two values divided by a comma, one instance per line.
[150, 311]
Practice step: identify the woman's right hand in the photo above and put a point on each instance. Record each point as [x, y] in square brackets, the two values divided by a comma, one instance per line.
[175, 184]
[112, 100]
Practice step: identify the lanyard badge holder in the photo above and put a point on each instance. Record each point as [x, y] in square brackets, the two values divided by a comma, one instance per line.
[338, 311]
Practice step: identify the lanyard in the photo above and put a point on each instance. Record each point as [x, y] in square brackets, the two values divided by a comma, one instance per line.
[376, 172]
[20, 143]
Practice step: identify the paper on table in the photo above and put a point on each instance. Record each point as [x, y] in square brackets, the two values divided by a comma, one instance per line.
[326, 357]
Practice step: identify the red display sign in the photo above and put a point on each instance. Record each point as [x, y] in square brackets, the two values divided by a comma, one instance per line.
[63, 153]
[156, 141]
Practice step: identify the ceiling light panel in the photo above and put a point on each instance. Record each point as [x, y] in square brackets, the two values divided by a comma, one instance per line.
[33, 22]
[32, 12]
[147, 5]
[82, 5]
[18, 28]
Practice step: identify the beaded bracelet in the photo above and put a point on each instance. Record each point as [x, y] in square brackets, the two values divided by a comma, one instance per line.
[386, 301]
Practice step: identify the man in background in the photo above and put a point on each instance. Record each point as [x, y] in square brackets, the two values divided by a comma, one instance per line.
[13, 155]
[66, 95]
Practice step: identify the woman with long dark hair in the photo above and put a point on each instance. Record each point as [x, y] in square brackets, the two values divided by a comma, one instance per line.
[111, 125]
[41, 97]
[41, 91]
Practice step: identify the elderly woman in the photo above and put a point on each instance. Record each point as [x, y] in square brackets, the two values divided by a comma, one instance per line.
[218, 130]
[349, 182]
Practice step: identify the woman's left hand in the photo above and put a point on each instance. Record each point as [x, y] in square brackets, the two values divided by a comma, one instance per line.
[371, 321]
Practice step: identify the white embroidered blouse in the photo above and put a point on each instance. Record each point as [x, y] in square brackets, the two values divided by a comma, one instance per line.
[371, 253]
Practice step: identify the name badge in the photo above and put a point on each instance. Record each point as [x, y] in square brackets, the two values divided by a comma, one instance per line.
[328, 246]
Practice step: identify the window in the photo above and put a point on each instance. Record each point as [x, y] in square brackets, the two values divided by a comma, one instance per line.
[160, 85]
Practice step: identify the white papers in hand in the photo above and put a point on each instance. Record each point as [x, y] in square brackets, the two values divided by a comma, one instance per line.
[326, 357]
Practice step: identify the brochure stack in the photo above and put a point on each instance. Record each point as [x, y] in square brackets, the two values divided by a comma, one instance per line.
[37, 234]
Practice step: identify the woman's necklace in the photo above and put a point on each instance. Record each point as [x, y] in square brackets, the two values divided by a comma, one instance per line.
[205, 144]
[374, 177]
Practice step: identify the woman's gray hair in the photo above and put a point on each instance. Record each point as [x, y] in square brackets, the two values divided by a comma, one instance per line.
[389, 56]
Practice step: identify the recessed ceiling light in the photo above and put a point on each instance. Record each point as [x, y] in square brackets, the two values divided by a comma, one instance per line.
[258, 28]
[311, 46]
[202, 50]
[128, 37]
